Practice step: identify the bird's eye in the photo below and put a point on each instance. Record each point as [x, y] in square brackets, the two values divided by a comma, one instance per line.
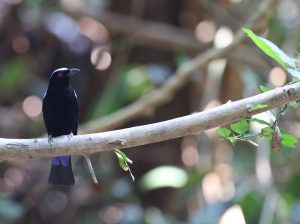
[60, 75]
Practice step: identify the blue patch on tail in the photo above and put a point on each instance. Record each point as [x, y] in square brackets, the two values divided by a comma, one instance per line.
[64, 160]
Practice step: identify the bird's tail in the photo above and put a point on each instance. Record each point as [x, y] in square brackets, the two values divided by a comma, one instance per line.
[61, 171]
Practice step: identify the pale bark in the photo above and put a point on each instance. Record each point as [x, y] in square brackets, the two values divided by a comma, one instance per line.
[146, 134]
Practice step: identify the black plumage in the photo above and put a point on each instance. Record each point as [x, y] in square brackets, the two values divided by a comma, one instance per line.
[60, 111]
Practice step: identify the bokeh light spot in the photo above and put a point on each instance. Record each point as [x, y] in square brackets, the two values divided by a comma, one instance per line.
[56, 201]
[20, 44]
[189, 152]
[277, 77]
[212, 188]
[235, 1]
[32, 106]
[224, 37]
[94, 30]
[218, 186]
[234, 214]
[205, 31]
[71, 5]
[13, 177]
[113, 214]
[100, 58]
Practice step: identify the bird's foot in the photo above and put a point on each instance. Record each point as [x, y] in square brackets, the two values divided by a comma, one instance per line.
[70, 136]
[50, 140]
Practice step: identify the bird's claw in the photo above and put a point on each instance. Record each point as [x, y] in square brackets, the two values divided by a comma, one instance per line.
[50, 140]
[70, 136]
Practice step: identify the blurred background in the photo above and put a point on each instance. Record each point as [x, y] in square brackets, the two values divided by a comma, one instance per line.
[125, 50]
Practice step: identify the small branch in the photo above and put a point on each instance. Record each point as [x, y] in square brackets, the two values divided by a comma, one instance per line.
[161, 35]
[146, 134]
[90, 166]
[222, 15]
[147, 104]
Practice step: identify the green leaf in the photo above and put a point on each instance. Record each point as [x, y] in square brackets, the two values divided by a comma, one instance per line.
[267, 132]
[224, 132]
[233, 139]
[123, 161]
[283, 131]
[288, 141]
[270, 49]
[263, 88]
[259, 121]
[258, 107]
[240, 127]
[261, 43]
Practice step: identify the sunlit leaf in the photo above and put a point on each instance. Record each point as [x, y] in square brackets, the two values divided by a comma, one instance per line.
[289, 141]
[283, 131]
[262, 44]
[263, 88]
[267, 132]
[233, 139]
[270, 49]
[123, 161]
[223, 132]
[258, 107]
[240, 127]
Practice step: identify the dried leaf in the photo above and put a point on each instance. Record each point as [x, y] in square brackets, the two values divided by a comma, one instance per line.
[276, 139]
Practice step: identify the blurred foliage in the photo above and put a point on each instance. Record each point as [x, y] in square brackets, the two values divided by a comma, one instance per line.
[195, 179]
[127, 87]
[10, 210]
[12, 77]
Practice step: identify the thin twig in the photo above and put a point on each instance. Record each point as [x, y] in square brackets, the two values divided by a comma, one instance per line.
[90, 166]
[153, 33]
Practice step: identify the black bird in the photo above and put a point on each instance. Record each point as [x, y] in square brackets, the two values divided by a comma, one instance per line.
[60, 111]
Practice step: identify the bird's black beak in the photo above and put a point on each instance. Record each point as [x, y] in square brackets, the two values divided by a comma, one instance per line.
[73, 71]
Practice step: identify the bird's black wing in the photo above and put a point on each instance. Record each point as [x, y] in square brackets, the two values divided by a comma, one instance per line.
[75, 110]
[49, 119]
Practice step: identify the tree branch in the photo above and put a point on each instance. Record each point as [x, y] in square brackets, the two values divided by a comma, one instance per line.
[146, 134]
[147, 104]
[161, 35]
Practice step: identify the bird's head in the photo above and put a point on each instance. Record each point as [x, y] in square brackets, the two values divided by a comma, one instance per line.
[61, 76]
